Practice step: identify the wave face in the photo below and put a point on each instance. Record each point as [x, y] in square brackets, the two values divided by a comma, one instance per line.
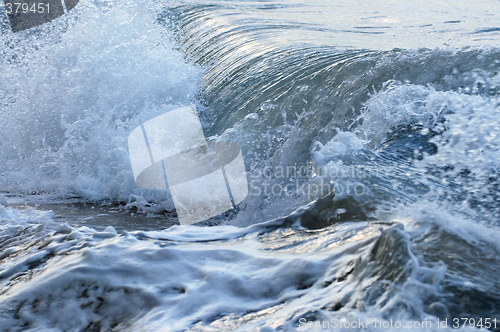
[370, 142]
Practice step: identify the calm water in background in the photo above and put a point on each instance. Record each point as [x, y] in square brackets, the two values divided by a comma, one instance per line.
[378, 25]
[395, 105]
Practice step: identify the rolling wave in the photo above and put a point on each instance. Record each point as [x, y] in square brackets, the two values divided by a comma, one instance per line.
[405, 142]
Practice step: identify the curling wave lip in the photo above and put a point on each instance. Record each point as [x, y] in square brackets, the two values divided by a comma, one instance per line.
[204, 179]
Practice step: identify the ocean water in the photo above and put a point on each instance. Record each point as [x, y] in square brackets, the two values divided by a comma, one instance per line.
[369, 131]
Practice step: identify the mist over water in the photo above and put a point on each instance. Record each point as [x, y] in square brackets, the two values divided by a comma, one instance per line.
[369, 132]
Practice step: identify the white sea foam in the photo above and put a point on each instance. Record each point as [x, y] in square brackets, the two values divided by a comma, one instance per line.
[70, 99]
[63, 132]
[58, 277]
[170, 280]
